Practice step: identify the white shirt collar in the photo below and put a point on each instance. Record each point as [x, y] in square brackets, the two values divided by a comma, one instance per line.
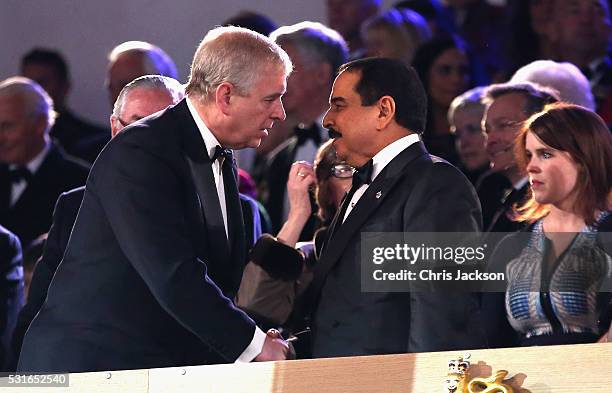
[209, 139]
[389, 152]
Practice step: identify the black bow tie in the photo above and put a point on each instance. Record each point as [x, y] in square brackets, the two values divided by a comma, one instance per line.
[363, 174]
[222, 152]
[20, 173]
[312, 133]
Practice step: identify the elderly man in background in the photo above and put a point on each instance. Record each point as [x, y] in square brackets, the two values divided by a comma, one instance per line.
[34, 171]
[316, 52]
[131, 59]
[162, 223]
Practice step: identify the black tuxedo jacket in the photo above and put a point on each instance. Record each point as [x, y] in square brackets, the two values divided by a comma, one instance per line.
[11, 290]
[79, 137]
[133, 289]
[64, 216]
[30, 217]
[415, 192]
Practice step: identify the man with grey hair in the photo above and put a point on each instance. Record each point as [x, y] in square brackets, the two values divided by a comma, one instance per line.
[316, 52]
[142, 97]
[33, 170]
[158, 246]
[131, 59]
[566, 78]
[508, 106]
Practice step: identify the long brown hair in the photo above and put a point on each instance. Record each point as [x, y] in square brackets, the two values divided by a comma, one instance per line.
[584, 135]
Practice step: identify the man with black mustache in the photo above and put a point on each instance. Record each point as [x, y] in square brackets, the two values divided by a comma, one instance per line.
[377, 113]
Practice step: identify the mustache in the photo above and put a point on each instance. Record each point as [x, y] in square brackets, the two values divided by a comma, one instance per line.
[333, 134]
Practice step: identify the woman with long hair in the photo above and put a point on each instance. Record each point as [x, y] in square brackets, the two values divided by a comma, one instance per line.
[558, 272]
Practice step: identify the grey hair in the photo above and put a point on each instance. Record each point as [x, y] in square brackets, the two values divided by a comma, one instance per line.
[315, 42]
[155, 60]
[235, 55]
[36, 100]
[536, 96]
[472, 99]
[151, 82]
[566, 78]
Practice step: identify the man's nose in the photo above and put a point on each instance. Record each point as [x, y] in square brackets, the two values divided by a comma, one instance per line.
[279, 112]
[327, 121]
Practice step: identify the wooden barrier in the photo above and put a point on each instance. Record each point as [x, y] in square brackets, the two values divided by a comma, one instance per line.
[563, 369]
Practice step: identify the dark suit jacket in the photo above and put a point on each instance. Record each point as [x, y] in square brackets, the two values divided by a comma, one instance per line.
[498, 198]
[11, 289]
[416, 193]
[30, 217]
[78, 137]
[64, 216]
[133, 289]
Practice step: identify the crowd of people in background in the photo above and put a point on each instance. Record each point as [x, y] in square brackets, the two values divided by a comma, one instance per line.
[518, 97]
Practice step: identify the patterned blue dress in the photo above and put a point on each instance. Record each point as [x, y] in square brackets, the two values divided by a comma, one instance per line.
[563, 303]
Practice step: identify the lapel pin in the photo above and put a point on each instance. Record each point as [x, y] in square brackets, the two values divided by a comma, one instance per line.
[378, 195]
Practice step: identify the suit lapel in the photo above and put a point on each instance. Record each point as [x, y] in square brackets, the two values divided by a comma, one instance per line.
[369, 202]
[235, 220]
[201, 172]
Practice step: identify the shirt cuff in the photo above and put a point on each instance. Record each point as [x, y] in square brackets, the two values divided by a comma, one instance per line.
[254, 348]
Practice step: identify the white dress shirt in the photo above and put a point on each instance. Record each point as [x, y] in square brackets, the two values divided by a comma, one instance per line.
[259, 337]
[380, 161]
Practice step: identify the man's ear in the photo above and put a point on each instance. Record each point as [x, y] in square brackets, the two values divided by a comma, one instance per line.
[223, 95]
[386, 111]
[115, 126]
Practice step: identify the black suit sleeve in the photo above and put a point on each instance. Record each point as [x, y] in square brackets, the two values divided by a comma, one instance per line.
[64, 215]
[144, 205]
[11, 290]
[441, 320]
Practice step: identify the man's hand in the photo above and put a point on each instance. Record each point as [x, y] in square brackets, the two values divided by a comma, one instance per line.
[274, 348]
